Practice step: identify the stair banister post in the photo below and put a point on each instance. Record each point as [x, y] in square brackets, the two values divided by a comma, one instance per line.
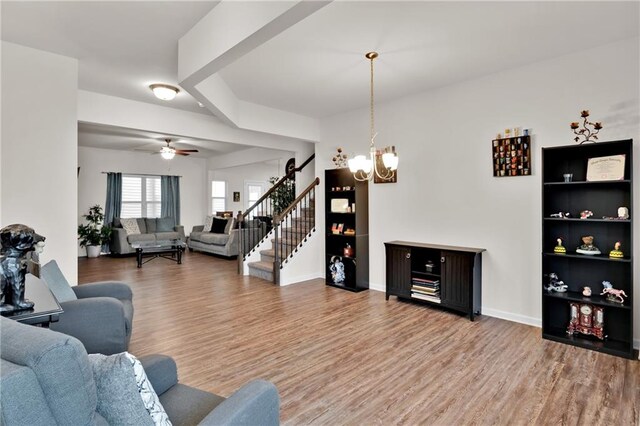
[276, 251]
[240, 220]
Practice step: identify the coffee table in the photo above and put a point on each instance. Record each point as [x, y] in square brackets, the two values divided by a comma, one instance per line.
[167, 249]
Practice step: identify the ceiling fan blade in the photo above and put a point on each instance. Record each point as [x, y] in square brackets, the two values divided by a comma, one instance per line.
[187, 150]
[181, 153]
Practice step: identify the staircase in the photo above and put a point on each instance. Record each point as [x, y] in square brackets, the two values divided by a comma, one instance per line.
[291, 233]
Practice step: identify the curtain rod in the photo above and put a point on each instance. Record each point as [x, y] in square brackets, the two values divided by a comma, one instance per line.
[140, 174]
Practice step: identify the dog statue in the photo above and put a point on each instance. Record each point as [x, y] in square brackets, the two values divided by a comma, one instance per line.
[17, 241]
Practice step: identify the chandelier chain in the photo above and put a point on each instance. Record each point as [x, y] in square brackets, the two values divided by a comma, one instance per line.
[372, 113]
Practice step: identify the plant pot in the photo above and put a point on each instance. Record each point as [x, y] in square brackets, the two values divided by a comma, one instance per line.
[93, 251]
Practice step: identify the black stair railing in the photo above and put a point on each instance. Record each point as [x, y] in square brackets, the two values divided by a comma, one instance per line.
[293, 226]
[256, 223]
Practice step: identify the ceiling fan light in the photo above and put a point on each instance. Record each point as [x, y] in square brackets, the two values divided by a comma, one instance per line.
[165, 92]
[168, 155]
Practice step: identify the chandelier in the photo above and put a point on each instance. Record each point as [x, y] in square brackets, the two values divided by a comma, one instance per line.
[364, 168]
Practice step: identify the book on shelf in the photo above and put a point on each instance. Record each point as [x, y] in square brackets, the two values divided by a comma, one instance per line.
[425, 297]
[424, 280]
[426, 287]
[430, 291]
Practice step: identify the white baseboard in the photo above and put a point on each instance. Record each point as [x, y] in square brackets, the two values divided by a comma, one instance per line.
[509, 316]
[303, 278]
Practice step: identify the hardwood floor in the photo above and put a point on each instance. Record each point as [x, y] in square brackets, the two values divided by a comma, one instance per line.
[355, 359]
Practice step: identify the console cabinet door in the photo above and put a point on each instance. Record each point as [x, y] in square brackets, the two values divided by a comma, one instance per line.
[456, 279]
[398, 271]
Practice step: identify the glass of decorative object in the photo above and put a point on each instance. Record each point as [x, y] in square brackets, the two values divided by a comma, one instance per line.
[568, 177]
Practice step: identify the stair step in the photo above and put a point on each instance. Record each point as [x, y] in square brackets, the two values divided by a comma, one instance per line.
[263, 270]
[267, 255]
[263, 266]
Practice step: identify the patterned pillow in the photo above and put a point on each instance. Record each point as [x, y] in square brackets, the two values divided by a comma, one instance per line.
[130, 226]
[149, 397]
[207, 224]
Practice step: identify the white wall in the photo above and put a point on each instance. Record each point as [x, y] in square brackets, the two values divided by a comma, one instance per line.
[236, 177]
[446, 193]
[92, 184]
[39, 145]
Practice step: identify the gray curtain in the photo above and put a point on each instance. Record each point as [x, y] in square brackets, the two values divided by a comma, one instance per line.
[113, 205]
[170, 203]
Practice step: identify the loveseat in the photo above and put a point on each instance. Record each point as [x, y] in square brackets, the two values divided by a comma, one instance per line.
[47, 378]
[151, 229]
[226, 243]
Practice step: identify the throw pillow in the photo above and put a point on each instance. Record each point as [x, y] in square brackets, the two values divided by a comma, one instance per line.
[208, 222]
[149, 397]
[130, 226]
[219, 225]
[125, 395]
[165, 224]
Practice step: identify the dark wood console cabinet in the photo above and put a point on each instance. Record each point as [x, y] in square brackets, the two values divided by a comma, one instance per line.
[435, 274]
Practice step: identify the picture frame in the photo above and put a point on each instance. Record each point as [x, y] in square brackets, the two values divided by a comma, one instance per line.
[339, 205]
[609, 168]
[236, 197]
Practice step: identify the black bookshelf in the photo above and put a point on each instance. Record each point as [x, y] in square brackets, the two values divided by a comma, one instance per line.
[340, 184]
[603, 198]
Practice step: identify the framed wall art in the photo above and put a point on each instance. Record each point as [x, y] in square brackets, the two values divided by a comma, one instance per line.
[511, 156]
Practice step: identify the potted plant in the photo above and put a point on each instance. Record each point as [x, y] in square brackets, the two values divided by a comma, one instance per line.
[94, 234]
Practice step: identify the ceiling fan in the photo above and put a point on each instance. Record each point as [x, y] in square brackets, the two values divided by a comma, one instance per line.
[168, 152]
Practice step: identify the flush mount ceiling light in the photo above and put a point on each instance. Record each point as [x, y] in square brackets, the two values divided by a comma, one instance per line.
[165, 92]
[364, 168]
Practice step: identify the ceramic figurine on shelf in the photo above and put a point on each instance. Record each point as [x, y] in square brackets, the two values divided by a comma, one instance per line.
[613, 295]
[616, 253]
[587, 247]
[623, 213]
[586, 291]
[586, 214]
[559, 249]
[337, 270]
[555, 284]
[564, 215]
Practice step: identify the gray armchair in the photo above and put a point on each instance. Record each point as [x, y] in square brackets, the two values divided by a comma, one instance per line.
[46, 378]
[99, 314]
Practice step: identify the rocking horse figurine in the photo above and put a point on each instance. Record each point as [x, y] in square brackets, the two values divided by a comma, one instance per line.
[613, 295]
[555, 284]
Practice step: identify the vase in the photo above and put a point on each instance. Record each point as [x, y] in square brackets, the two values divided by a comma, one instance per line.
[93, 251]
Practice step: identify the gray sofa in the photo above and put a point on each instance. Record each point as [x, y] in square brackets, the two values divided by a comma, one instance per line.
[226, 244]
[151, 229]
[46, 378]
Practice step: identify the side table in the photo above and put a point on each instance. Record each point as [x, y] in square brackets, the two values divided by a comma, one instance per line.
[46, 309]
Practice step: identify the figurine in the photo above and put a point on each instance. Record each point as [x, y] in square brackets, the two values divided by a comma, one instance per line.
[613, 295]
[587, 247]
[561, 215]
[586, 291]
[337, 270]
[348, 251]
[616, 253]
[555, 284]
[559, 249]
[17, 241]
[586, 214]
[623, 213]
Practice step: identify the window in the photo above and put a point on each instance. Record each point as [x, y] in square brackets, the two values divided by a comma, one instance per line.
[141, 196]
[218, 196]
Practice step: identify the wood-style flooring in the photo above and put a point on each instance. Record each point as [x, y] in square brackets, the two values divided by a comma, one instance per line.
[341, 358]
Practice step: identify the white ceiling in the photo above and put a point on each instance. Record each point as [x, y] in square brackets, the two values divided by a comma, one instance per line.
[317, 67]
[119, 138]
[122, 47]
